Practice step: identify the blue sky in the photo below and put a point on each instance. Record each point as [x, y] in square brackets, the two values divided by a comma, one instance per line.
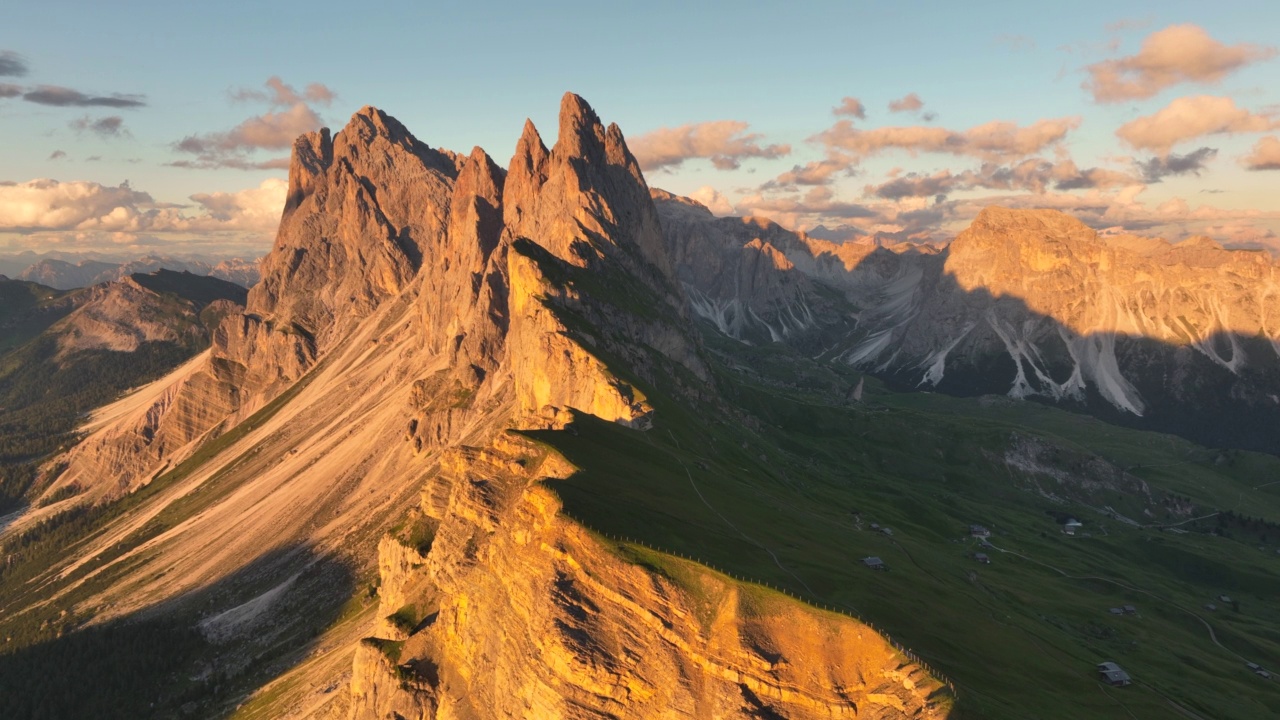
[464, 76]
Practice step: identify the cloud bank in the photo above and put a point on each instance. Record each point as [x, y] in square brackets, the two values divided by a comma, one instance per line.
[726, 143]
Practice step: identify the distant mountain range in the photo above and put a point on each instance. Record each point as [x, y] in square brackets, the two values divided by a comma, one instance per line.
[65, 271]
[1034, 304]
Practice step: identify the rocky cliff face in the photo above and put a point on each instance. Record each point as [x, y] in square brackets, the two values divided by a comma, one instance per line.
[422, 304]
[1028, 303]
[516, 612]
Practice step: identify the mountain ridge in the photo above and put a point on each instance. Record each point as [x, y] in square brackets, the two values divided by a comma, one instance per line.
[417, 308]
[1029, 303]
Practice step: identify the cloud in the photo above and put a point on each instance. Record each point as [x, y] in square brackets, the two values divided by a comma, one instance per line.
[917, 185]
[1187, 118]
[1032, 175]
[818, 201]
[213, 162]
[291, 115]
[996, 140]
[909, 103]
[251, 209]
[1158, 168]
[1265, 155]
[12, 64]
[851, 107]
[8, 90]
[53, 205]
[1176, 54]
[108, 127]
[281, 94]
[58, 96]
[815, 172]
[270, 131]
[1123, 212]
[1125, 24]
[725, 142]
[57, 155]
[41, 206]
[716, 202]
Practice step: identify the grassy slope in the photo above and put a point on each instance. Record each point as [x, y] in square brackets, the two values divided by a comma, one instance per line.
[1018, 638]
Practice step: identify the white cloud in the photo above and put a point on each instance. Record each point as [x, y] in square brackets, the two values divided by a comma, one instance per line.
[81, 212]
[713, 199]
[990, 141]
[1188, 118]
[1176, 54]
[1265, 155]
[292, 115]
[725, 142]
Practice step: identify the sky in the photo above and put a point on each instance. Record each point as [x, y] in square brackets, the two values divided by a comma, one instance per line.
[147, 127]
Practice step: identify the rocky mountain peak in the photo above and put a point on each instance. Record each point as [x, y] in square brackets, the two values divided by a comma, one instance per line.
[1200, 242]
[581, 132]
[312, 156]
[1019, 225]
[369, 121]
[586, 199]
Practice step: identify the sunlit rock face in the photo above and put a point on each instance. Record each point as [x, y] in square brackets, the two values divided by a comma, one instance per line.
[516, 612]
[417, 307]
[1031, 303]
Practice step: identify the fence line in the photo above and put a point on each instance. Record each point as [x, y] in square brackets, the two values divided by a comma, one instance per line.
[813, 602]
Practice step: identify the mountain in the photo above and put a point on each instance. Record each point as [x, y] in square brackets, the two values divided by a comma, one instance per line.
[417, 309]
[65, 275]
[467, 451]
[64, 353]
[1029, 303]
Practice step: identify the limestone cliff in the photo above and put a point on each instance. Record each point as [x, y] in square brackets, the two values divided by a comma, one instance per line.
[361, 210]
[517, 612]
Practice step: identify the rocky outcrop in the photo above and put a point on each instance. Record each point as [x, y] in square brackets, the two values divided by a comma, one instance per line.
[120, 316]
[587, 634]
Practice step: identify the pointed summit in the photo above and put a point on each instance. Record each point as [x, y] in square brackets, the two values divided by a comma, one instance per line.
[312, 156]
[585, 200]
[581, 133]
[370, 119]
[525, 175]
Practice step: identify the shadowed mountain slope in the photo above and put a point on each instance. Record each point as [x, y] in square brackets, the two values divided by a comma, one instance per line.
[1034, 304]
